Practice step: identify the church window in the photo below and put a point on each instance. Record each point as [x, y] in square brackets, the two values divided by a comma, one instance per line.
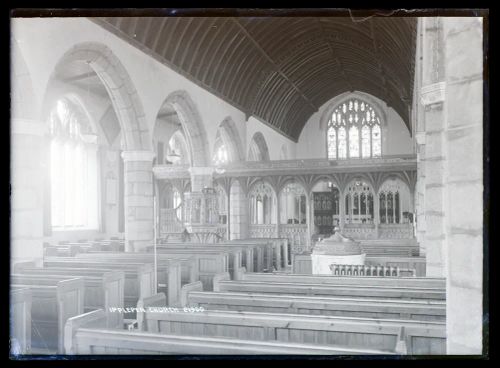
[73, 168]
[354, 131]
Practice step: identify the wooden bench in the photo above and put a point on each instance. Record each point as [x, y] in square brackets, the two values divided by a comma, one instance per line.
[381, 292]
[83, 335]
[316, 305]
[20, 320]
[104, 289]
[420, 282]
[189, 269]
[139, 277]
[235, 259]
[275, 251]
[391, 336]
[53, 302]
[169, 270]
[210, 262]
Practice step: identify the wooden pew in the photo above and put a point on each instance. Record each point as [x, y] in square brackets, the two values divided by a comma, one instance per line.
[20, 320]
[189, 269]
[235, 260]
[139, 277]
[422, 282]
[62, 250]
[210, 262]
[281, 246]
[85, 336]
[53, 302]
[249, 252]
[316, 305]
[104, 289]
[391, 336]
[294, 288]
[272, 250]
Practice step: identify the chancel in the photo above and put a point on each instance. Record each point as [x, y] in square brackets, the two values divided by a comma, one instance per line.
[278, 184]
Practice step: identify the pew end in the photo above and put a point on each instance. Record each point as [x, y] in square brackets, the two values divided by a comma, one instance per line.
[240, 272]
[224, 276]
[95, 318]
[401, 347]
[186, 289]
[157, 300]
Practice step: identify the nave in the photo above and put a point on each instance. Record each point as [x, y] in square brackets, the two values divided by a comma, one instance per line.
[247, 185]
[217, 299]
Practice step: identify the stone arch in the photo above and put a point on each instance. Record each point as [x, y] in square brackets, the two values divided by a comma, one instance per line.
[231, 138]
[258, 148]
[284, 152]
[394, 176]
[192, 125]
[122, 92]
[23, 102]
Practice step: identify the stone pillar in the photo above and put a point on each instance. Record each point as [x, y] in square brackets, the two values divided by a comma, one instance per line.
[239, 212]
[432, 99]
[342, 210]
[463, 39]
[420, 193]
[139, 222]
[28, 171]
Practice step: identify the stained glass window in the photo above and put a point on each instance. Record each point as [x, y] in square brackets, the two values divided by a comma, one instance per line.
[332, 146]
[349, 120]
[353, 141]
[342, 143]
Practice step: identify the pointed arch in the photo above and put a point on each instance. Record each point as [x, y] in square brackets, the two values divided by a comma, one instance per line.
[228, 135]
[123, 94]
[258, 150]
[192, 125]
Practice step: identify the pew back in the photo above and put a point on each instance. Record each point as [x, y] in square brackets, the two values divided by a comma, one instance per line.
[83, 339]
[20, 320]
[53, 302]
[103, 288]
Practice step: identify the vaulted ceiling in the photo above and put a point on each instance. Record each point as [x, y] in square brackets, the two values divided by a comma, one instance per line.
[283, 69]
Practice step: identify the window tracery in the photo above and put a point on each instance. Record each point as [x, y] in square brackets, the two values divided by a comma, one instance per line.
[354, 131]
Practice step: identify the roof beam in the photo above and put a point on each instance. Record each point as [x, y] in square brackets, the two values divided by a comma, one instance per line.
[274, 64]
[334, 56]
[379, 63]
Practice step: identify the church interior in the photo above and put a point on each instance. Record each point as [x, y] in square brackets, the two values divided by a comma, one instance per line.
[246, 185]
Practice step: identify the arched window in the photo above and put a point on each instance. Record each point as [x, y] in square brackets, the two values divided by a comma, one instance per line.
[220, 155]
[293, 204]
[177, 152]
[354, 131]
[394, 200]
[262, 204]
[221, 152]
[73, 168]
[359, 203]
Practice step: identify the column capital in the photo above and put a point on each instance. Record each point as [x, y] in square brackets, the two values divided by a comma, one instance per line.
[420, 138]
[138, 155]
[433, 93]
